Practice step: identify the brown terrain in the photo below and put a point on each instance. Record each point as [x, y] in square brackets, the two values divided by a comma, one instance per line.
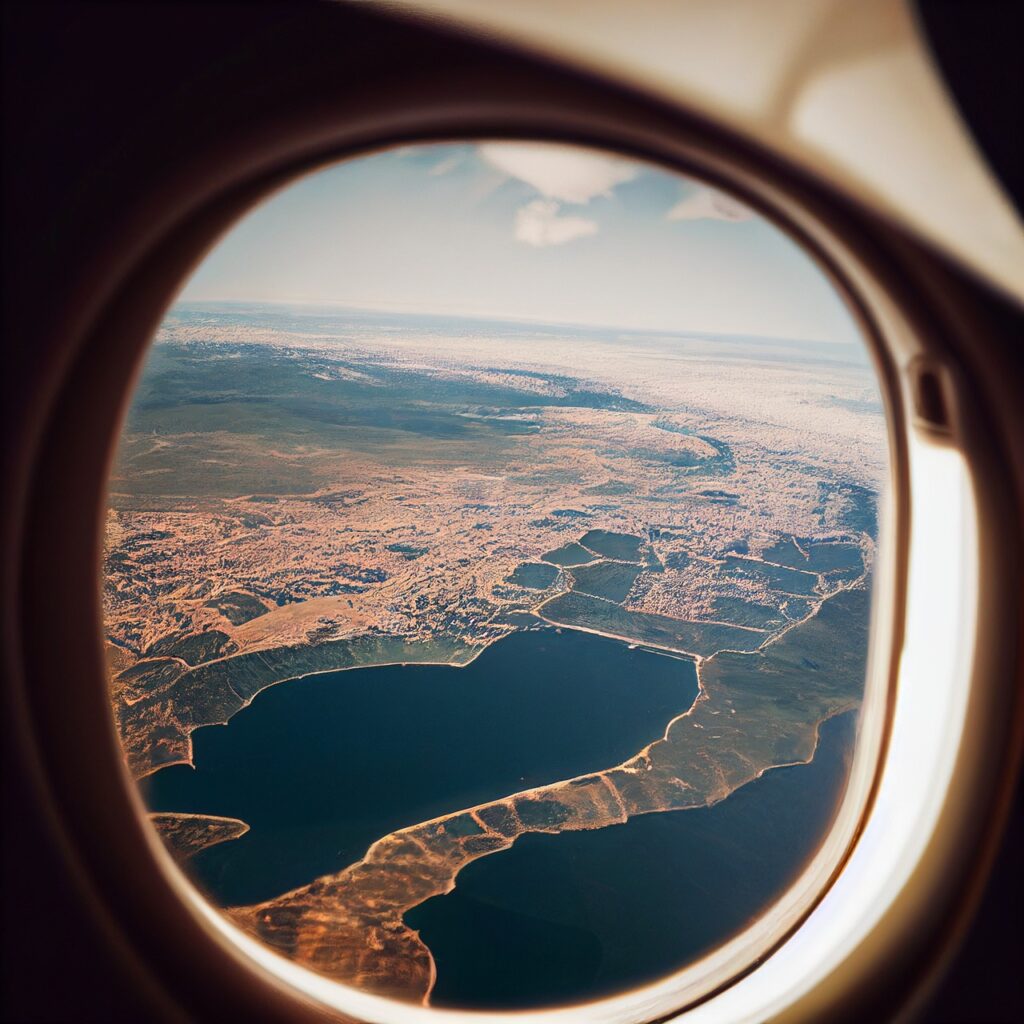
[187, 834]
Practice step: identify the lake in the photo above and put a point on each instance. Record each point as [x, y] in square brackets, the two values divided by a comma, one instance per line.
[580, 915]
[322, 767]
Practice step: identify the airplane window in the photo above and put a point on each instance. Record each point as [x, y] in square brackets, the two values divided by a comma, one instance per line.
[488, 572]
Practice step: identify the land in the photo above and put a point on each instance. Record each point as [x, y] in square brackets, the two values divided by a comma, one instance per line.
[299, 493]
[755, 711]
[286, 502]
[187, 834]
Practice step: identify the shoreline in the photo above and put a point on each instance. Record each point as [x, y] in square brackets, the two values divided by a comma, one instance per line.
[477, 650]
[291, 679]
[625, 820]
[355, 884]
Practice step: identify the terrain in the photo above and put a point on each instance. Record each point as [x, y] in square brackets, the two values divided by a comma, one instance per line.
[755, 711]
[306, 491]
[187, 834]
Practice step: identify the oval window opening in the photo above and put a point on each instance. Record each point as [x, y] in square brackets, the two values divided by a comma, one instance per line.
[488, 574]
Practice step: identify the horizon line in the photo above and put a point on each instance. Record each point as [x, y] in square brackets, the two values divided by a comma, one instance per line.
[688, 332]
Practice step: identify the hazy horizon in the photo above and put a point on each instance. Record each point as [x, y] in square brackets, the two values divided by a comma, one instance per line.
[340, 308]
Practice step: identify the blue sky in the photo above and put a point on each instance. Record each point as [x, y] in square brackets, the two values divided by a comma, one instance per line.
[529, 231]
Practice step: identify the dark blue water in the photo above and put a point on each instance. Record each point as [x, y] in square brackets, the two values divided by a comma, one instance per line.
[561, 918]
[322, 767]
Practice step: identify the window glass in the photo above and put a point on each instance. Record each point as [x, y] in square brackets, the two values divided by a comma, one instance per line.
[488, 571]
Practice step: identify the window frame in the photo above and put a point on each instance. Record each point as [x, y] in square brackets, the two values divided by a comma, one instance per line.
[74, 738]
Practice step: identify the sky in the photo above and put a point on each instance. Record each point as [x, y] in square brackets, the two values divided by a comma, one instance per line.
[530, 231]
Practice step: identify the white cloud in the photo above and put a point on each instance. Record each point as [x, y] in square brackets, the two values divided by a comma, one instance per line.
[538, 223]
[566, 173]
[709, 204]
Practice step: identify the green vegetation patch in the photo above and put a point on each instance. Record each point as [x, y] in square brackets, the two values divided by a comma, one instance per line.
[701, 638]
[231, 420]
[785, 552]
[462, 825]
[539, 814]
[610, 580]
[569, 554]
[845, 575]
[815, 670]
[835, 558]
[196, 647]
[534, 575]
[611, 488]
[623, 546]
[719, 497]
[652, 562]
[763, 709]
[410, 552]
[499, 818]
[855, 507]
[207, 463]
[748, 613]
[247, 674]
[789, 581]
[238, 607]
[146, 677]
[824, 556]
[215, 691]
[796, 608]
